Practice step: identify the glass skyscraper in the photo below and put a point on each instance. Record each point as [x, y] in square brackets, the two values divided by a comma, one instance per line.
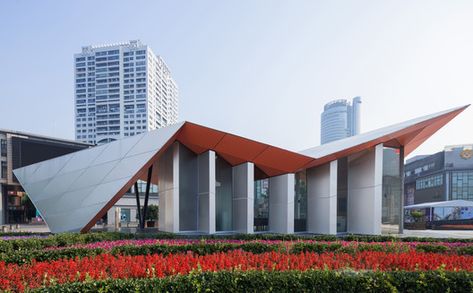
[121, 90]
[340, 119]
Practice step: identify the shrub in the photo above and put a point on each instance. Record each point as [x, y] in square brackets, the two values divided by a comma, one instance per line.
[26, 256]
[431, 248]
[289, 281]
[315, 247]
[465, 250]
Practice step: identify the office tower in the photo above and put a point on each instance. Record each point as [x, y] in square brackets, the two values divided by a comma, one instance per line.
[340, 119]
[121, 90]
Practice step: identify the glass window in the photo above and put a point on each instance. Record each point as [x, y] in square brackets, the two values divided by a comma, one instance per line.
[4, 169]
[300, 202]
[342, 194]
[261, 205]
[391, 196]
[429, 182]
[102, 109]
[3, 147]
[223, 195]
[462, 185]
[114, 108]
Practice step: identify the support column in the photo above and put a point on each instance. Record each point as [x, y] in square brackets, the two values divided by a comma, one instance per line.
[145, 205]
[168, 166]
[401, 172]
[138, 206]
[365, 187]
[322, 199]
[206, 167]
[243, 198]
[281, 204]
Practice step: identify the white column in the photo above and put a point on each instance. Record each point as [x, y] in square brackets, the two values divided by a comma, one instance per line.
[365, 184]
[243, 198]
[206, 167]
[168, 182]
[281, 204]
[322, 199]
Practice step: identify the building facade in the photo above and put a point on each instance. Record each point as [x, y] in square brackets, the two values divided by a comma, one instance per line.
[340, 119]
[18, 149]
[121, 90]
[212, 181]
[446, 175]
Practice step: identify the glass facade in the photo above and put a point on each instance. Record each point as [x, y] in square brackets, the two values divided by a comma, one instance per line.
[261, 208]
[452, 213]
[300, 202]
[429, 182]
[462, 185]
[342, 194]
[3, 169]
[392, 191]
[3, 147]
[188, 205]
[223, 195]
[153, 188]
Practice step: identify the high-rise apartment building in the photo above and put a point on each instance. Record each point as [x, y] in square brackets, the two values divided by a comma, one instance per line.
[121, 90]
[340, 119]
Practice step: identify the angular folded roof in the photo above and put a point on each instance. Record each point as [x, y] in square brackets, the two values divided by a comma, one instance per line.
[73, 191]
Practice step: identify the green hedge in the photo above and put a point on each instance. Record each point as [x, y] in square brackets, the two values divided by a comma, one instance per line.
[315, 247]
[431, 248]
[289, 281]
[66, 239]
[201, 249]
[26, 256]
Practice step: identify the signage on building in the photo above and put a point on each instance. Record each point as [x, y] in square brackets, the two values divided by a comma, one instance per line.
[466, 154]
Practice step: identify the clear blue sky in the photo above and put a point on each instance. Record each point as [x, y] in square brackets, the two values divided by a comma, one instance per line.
[261, 69]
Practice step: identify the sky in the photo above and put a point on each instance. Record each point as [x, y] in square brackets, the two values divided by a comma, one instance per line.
[260, 69]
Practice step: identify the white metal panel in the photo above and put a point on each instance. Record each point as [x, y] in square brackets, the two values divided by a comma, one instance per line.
[59, 184]
[70, 190]
[47, 169]
[129, 165]
[94, 175]
[155, 139]
[346, 143]
[119, 149]
[83, 158]
[101, 193]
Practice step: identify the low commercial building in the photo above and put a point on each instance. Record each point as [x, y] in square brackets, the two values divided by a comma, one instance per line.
[444, 176]
[212, 181]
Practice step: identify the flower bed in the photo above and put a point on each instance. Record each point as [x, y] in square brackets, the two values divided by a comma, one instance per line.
[37, 274]
[68, 261]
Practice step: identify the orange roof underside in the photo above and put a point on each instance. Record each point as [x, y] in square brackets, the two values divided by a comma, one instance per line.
[275, 161]
[237, 150]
